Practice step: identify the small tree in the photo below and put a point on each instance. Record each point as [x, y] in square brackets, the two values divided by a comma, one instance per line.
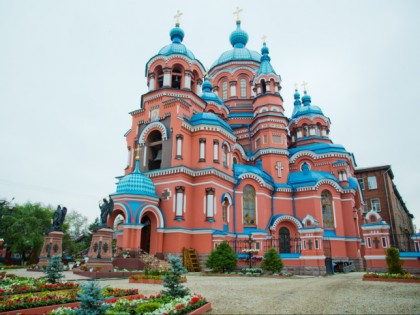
[171, 280]
[272, 261]
[91, 299]
[222, 258]
[393, 261]
[54, 270]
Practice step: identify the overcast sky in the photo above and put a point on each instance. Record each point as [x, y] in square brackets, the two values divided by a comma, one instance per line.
[70, 71]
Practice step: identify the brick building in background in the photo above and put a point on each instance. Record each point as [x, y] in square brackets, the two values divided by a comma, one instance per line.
[381, 195]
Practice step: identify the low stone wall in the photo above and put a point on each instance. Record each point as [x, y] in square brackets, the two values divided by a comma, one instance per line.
[103, 275]
[128, 263]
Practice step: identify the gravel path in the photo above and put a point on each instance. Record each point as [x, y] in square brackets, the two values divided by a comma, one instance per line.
[338, 294]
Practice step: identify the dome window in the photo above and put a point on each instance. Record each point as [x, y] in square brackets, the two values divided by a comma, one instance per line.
[154, 150]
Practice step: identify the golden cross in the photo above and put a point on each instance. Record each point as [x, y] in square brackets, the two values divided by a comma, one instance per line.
[264, 38]
[138, 152]
[305, 85]
[237, 11]
[177, 16]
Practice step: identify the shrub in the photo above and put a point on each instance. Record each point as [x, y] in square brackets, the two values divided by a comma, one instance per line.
[91, 299]
[393, 261]
[222, 258]
[272, 261]
[54, 271]
[172, 280]
[147, 307]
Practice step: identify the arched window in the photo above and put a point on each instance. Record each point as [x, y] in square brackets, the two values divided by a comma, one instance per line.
[263, 87]
[249, 205]
[327, 210]
[243, 87]
[235, 160]
[176, 78]
[225, 210]
[224, 90]
[154, 150]
[159, 77]
[284, 240]
[225, 155]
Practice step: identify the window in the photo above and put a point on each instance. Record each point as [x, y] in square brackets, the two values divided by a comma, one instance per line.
[249, 205]
[202, 142]
[299, 134]
[327, 210]
[369, 242]
[277, 139]
[154, 150]
[265, 139]
[225, 210]
[257, 245]
[361, 183]
[225, 155]
[224, 90]
[180, 190]
[243, 87]
[342, 175]
[235, 160]
[210, 204]
[384, 245]
[284, 240]
[263, 87]
[303, 244]
[372, 182]
[257, 143]
[176, 78]
[417, 246]
[179, 147]
[316, 244]
[375, 204]
[216, 151]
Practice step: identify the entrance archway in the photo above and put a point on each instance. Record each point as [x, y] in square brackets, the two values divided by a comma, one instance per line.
[145, 234]
[284, 240]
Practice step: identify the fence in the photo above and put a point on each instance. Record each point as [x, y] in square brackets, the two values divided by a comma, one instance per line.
[281, 245]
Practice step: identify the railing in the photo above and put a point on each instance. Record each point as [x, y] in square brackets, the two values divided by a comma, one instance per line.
[403, 242]
[281, 245]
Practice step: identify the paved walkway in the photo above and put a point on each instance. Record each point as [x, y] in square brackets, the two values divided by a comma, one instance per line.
[338, 294]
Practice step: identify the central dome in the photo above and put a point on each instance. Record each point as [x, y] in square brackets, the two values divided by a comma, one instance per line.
[238, 38]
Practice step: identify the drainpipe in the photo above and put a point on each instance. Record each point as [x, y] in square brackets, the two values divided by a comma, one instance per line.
[389, 209]
[272, 201]
[234, 212]
[293, 201]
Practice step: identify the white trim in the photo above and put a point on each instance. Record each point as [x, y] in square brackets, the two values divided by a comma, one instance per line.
[375, 257]
[184, 231]
[311, 257]
[193, 184]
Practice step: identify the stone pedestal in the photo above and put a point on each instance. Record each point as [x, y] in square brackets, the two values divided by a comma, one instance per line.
[100, 251]
[53, 246]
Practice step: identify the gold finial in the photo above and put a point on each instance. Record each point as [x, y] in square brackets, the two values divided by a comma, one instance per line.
[305, 86]
[264, 38]
[296, 86]
[138, 153]
[177, 16]
[237, 11]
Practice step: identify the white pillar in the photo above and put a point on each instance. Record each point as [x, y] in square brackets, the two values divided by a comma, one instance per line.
[187, 83]
[151, 83]
[167, 77]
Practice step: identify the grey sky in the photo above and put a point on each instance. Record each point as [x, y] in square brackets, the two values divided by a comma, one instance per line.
[70, 71]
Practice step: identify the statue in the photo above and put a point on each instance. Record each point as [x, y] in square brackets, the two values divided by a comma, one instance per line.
[106, 210]
[58, 219]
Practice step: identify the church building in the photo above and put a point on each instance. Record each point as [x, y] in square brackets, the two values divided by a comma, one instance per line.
[212, 158]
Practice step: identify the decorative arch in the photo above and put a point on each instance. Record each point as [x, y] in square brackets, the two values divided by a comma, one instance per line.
[154, 125]
[284, 217]
[372, 213]
[228, 145]
[121, 208]
[155, 210]
[239, 147]
[257, 178]
[329, 182]
[274, 109]
[309, 220]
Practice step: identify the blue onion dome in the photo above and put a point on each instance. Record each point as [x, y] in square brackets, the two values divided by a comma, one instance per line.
[306, 99]
[297, 98]
[209, 119]
[264, 52]
[176, 47]
[136, 183]
[177, 34]
[207, 86]
[208, 95]
[238, 38]
[265, 66]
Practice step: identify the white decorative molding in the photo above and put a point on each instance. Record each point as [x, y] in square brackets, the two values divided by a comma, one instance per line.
[151, 126]
[286, 218]
[257, 178]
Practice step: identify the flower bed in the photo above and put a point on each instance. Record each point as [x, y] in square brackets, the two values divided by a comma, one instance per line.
[190, 304]
[150, 279]
[17, 286]
[391, 277]
[30, 300]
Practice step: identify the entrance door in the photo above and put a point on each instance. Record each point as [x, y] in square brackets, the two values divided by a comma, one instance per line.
[145, 234]
[284, 239]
